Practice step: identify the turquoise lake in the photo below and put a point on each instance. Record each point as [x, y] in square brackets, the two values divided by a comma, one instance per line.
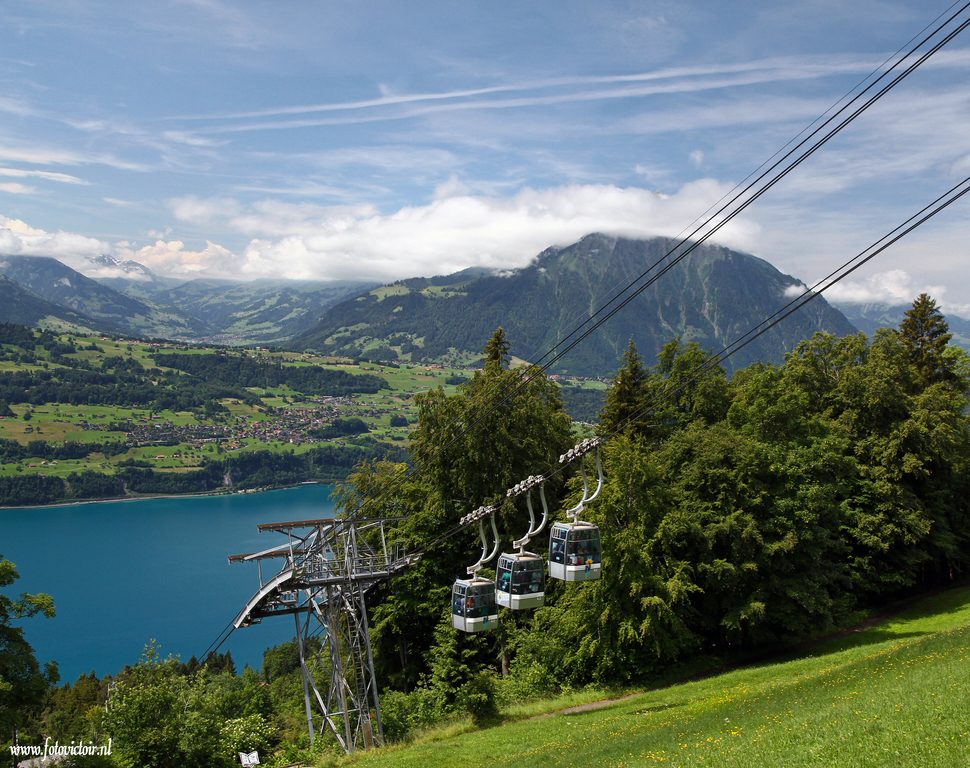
[125, 572]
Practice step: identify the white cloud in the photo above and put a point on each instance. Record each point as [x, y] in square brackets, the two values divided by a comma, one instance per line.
[48, 175]
[171, 258]
[17, 189]
[40, 156]
[448, 234]
[549, 91]
[894, 287]
[183, 137]
[18, 226]
[451, 188]
[203, 212]
[72, 249]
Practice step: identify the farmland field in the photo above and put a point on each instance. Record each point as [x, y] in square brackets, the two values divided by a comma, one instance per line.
[274, 418]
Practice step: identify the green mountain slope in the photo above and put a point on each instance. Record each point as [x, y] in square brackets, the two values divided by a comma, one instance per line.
[264, 311]
[712, 297]
[24, 307]
[62, 285]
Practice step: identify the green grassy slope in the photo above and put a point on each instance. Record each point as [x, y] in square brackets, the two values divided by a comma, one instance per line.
[897, 693]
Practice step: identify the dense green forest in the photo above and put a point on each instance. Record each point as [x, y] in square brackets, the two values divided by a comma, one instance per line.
[242, 372]
[738, 515]
[257, 469]
[211, 377]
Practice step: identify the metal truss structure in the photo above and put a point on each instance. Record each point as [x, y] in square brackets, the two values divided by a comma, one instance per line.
[328, 567]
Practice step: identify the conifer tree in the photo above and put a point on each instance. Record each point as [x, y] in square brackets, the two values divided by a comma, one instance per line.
[496, 351]
[925, 333]
[625, 398]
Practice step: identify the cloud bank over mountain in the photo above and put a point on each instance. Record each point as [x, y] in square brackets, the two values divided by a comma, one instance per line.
[450, 233]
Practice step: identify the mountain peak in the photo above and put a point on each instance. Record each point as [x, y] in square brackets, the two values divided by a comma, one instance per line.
[712, 296]
[108, 266]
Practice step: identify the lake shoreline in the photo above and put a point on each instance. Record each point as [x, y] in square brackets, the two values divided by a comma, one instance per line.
[162, 496]
[122, 576]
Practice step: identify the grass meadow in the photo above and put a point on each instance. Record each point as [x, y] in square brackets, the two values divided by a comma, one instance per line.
[894, 694]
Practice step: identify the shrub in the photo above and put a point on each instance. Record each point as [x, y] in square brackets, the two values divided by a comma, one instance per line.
[477, 697]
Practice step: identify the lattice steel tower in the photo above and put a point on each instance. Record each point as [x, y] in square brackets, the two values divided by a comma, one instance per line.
[328, 567]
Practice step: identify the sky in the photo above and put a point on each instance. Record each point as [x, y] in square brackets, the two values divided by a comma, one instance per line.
[317, 139]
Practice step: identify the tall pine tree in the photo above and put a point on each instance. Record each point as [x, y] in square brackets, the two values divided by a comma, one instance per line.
[624, 402]
[925, 333]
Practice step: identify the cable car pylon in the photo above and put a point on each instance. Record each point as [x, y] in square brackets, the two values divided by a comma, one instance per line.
[329, 565]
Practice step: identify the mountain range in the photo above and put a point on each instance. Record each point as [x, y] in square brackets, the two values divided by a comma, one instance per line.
[712, 296]
[143, 304]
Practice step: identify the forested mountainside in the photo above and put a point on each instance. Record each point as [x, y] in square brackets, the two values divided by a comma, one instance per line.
[712, 296]
[25, 307]
[263, 311]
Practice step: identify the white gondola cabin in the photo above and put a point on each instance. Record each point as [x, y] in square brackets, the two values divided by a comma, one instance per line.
[520, 581]
[473, 607]
[574, 552]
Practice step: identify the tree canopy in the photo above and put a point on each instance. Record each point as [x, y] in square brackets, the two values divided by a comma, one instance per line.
[736, 515]
[500, 427]
[23, 682]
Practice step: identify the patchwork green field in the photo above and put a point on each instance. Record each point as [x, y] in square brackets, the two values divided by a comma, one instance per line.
[276, 418]
[893, 694]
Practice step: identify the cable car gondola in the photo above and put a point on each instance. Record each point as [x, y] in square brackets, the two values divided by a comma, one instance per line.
[520, 578]
[520, 581]
[574, 547]
[473, 607]
[574, 552]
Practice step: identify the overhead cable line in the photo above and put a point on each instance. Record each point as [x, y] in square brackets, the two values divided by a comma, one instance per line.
[750, 193]
[922, 216]
[217, 643]
[731, 209]
[738, 203]
[849, 93]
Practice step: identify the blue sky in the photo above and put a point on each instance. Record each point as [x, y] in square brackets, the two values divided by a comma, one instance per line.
[381, 140]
